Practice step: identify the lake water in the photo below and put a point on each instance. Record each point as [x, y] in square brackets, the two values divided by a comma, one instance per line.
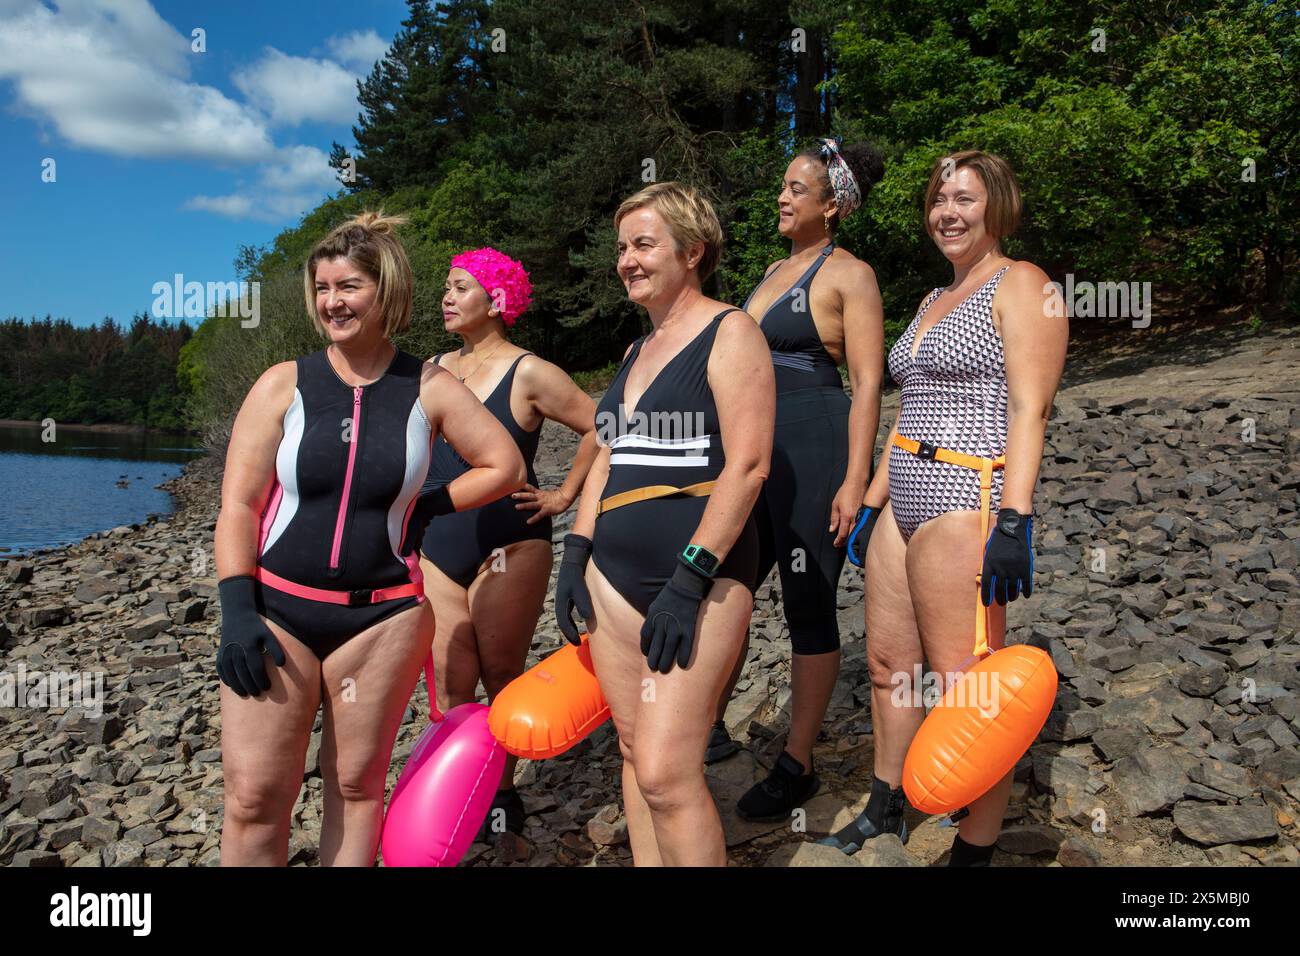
[55, 493]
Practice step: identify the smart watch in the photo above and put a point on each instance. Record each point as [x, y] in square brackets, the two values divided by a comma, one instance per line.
[700, 559]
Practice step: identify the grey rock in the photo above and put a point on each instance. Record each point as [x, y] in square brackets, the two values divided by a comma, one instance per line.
[27, 858]
[44, 616]
[65, 809]
[1115, 743]
[1030, 840]
[1203, 681]
[1211, 825]
[190, 612]
[1149, 782]
[884, 850]
[1227, 778]
[43, 794]
[1275, 769]
[100, 831]
[1071, 725]
[810, 854]
[66, 833]
[123, 853]
[148, 627]
[1076, 851]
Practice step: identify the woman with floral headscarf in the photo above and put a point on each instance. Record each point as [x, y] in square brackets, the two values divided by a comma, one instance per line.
[818, 309]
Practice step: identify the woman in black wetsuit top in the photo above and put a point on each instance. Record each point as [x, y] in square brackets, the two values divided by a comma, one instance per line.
[817, 309]
[322, 606]
[686, 433]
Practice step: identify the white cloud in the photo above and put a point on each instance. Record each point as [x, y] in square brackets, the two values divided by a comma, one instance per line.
[300, 167]
[296, 89]
[359, 50]
[110, 75]
[269, 207]
[287, 187]
[113, 76]
[232, 207]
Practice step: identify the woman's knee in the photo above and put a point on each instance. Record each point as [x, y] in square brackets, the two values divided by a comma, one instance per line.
[497, 674]
[666, 781]
[253, 798]
[358, 779]
[884, 668]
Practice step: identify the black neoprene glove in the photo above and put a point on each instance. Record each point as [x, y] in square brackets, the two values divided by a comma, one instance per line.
[864, 522]
[571, 586]
[244, 636]
[428, 506]
[1008, 570]
[669, 628]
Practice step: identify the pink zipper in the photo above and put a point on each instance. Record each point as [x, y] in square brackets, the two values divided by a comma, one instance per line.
[347, 480]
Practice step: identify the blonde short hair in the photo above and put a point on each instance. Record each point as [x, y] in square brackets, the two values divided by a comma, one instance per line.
[1002, 214]
[370, 242]
[690, 217]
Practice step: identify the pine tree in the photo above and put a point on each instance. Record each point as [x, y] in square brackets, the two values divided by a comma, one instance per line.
[421, 99]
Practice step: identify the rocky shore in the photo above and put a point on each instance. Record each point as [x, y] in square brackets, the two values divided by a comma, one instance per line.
[1167, 554]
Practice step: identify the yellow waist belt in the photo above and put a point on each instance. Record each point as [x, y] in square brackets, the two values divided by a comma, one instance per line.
[985, 466]
[649, 492]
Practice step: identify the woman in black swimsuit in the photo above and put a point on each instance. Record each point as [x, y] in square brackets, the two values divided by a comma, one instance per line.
[486, 569]
[830, 314]
[686, 435]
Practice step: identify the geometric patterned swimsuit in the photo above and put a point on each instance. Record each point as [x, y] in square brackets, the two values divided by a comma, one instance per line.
[953, 395]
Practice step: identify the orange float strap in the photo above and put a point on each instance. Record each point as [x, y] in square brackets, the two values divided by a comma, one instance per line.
[650, 492]
[985, 466]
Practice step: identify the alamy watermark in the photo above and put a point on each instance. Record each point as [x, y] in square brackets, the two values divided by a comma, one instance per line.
[45, 689]
[1102, 300]
[665, 427]
[196, 300]
[919, 688]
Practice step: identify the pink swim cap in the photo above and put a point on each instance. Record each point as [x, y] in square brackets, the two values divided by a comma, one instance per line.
[502, 278]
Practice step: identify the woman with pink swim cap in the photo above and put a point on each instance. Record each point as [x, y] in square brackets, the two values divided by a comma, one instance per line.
[486, 570]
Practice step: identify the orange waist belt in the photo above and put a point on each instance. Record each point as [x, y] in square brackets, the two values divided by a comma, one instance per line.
[985, 466]
[650, 492]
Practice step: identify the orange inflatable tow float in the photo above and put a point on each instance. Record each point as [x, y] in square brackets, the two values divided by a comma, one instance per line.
[989, 716]
[550, 708]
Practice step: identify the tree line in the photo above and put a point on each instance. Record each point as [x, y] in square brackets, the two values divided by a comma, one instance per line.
[93, 374]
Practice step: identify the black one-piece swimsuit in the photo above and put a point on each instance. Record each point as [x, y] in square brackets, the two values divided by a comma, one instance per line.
[672, 438]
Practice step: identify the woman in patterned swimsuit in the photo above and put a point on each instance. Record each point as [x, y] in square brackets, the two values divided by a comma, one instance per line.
[978, 368]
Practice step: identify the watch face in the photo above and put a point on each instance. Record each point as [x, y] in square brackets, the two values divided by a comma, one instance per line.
[706, 561]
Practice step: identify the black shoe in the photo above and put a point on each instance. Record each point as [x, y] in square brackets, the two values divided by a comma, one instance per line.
[721, 746]
[785, 788]
[509, 810]
[854, 837]
[968, 854]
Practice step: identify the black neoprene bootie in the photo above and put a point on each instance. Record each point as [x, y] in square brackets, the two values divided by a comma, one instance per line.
[884, 814]
[968, 854]
[721, 746]
[785, 788]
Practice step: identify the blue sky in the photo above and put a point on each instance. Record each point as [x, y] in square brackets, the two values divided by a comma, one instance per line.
[166, 160]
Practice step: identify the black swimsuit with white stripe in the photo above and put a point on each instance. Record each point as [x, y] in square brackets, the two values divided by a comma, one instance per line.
[671, 438]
